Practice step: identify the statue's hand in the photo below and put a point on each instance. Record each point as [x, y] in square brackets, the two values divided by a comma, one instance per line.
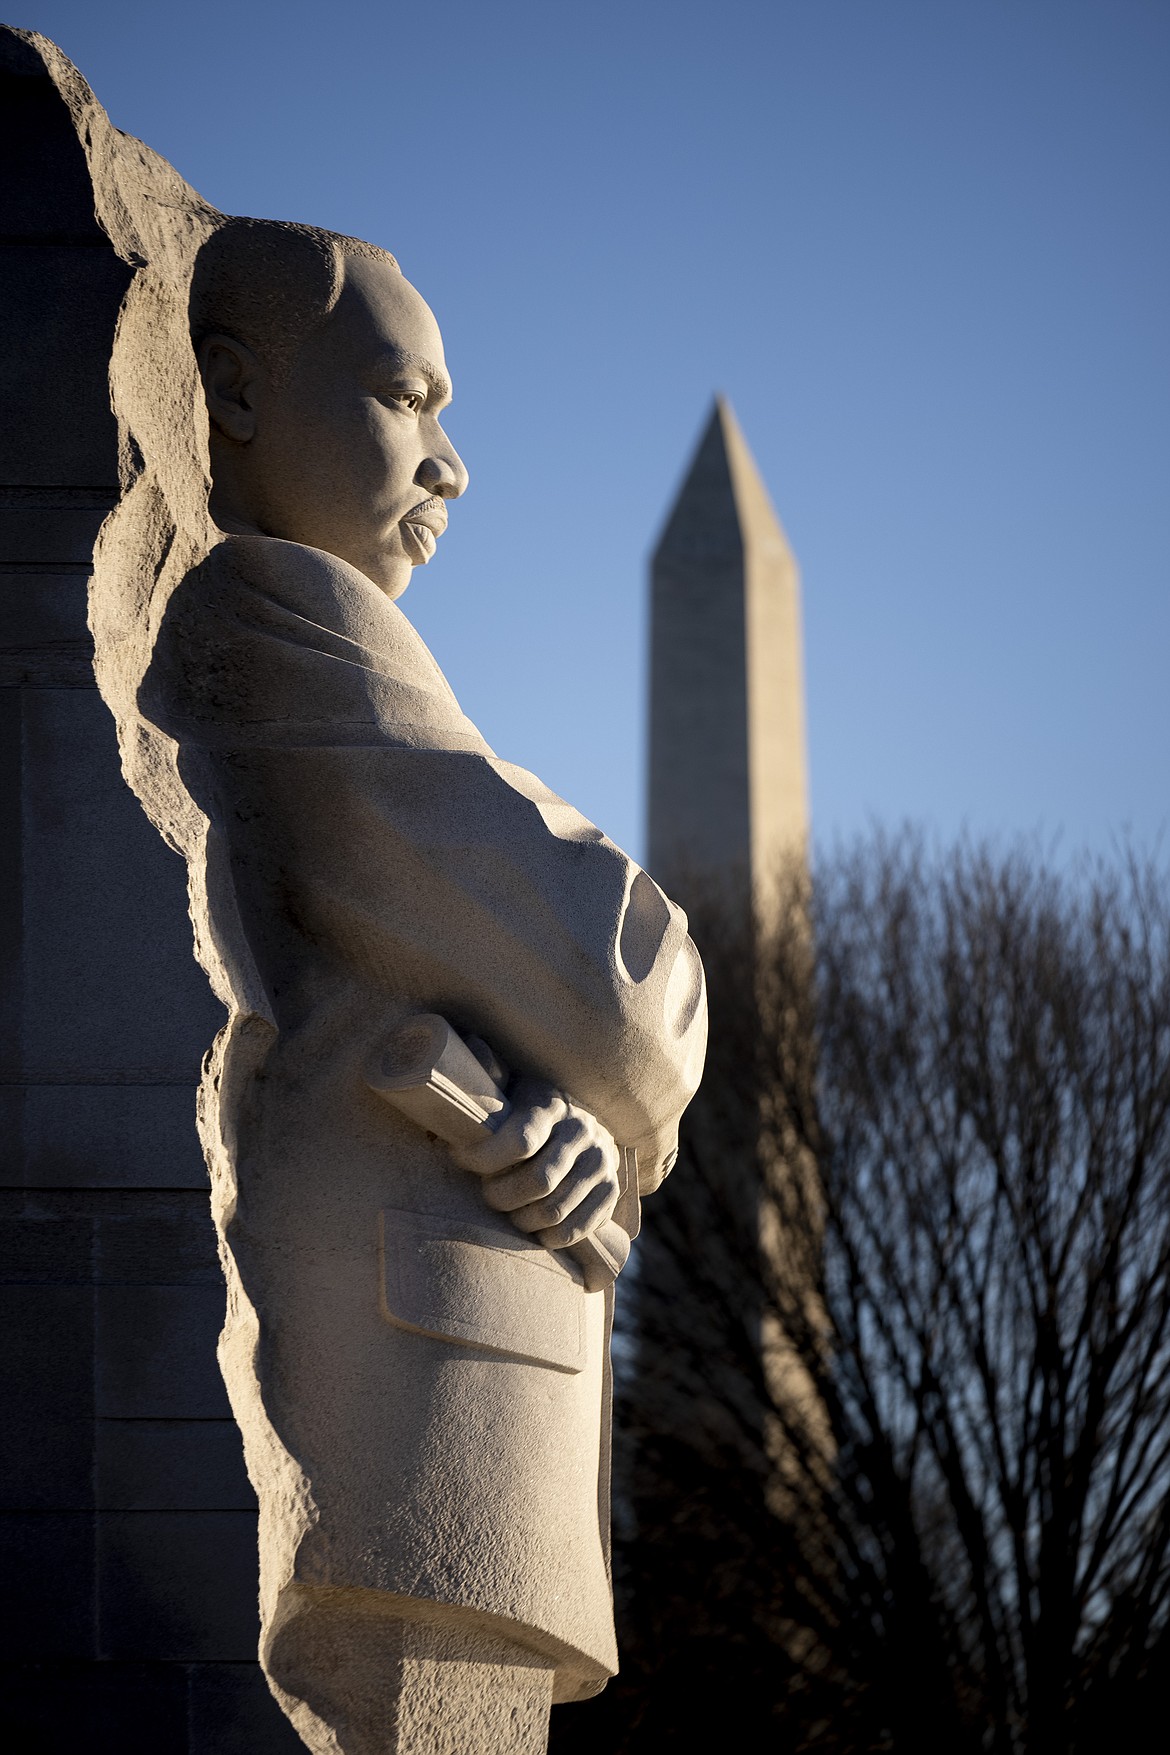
[553, 1168]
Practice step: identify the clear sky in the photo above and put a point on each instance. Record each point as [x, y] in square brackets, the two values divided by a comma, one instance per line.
[923, 247]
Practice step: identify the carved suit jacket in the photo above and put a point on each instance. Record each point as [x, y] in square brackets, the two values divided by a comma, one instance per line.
[423, 1391]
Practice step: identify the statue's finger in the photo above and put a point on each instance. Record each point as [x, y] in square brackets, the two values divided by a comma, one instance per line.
[537, 1177]
[594, 1210]
[585, 1172]
[520, 1136]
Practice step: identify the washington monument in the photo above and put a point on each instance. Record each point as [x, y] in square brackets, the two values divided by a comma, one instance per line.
[728, 792]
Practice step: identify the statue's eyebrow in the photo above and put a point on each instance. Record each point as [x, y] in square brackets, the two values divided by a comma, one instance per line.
[401, 360]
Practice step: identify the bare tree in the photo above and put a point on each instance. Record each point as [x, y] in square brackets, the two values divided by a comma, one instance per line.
[895, 1411]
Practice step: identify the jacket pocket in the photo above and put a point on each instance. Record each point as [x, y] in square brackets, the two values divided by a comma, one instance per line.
[464, 1283]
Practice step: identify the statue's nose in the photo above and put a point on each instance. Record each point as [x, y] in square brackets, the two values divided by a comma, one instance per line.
[443, 475]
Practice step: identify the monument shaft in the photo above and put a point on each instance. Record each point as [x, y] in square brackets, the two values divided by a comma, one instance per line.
[728, 794]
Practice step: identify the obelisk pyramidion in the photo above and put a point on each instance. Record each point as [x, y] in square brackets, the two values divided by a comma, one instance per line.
[728, 792]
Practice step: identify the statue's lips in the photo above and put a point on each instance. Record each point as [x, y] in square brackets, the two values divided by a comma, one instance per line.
[422, 528]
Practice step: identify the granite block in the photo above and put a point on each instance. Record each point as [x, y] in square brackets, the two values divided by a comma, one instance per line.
[111, 1136]
[47, 526]
[12, 1160]
[45, 1248]
[45, 186]
[47, 1585]
[167, 1241]
[46, 1464]
[155, 1348]
[178, 1585]
[136, 1709]
[11, 985]
[46, 1362]
[61, 304]
[171, 1465]
[233, 1713]
[111, 990]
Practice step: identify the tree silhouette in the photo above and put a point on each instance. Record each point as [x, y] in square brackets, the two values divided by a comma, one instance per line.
[894, 1416]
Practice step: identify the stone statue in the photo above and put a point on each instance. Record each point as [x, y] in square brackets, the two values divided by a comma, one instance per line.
[417, 1337]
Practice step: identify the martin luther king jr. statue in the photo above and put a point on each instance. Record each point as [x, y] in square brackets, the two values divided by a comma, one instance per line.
[416, 1344]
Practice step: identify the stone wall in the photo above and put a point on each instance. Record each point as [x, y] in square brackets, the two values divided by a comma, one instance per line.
[128, 1581]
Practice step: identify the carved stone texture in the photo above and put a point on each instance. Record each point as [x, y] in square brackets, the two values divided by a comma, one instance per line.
[418, 1370]
[728, 790]
[127, 1589]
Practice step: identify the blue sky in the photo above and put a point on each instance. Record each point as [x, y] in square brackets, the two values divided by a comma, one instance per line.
[925, 250]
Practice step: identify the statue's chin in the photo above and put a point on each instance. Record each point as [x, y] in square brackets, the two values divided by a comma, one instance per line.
[393, 577]
[390, 573]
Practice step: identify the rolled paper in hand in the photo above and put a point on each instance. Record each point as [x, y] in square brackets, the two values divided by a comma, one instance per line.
[430, 1075]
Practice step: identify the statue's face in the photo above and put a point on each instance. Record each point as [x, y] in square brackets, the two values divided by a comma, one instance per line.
[348, 454]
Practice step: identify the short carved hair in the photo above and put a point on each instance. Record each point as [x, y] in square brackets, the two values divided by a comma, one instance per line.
[268, 283]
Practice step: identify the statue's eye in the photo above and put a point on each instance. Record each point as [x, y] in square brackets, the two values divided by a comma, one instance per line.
[412, 401]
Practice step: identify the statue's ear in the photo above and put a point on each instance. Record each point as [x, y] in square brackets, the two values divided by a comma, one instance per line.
[231, 375]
